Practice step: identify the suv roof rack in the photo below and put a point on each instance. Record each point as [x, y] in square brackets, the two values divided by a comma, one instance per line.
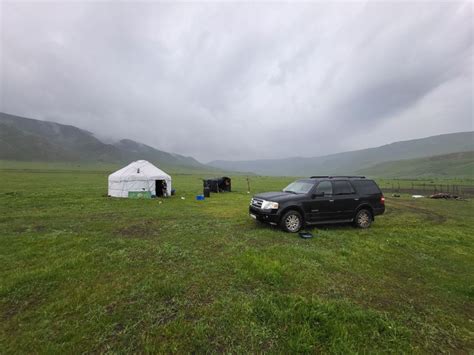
[338, 176]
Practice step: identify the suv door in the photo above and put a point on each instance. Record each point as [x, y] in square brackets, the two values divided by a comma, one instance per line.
[319, 204]
[345, 199]
[369, 192]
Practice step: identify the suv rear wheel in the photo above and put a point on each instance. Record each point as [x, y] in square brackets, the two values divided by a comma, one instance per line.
[291, 221]
[363, 219]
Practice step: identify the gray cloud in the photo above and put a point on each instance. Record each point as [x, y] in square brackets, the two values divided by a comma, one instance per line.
[242, 80]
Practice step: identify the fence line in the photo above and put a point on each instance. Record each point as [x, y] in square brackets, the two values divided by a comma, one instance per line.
[429, 189]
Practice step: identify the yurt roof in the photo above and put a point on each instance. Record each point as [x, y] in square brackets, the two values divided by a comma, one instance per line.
[139, 170]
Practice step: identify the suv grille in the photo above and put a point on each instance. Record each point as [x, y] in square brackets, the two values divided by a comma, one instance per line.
[256, 202]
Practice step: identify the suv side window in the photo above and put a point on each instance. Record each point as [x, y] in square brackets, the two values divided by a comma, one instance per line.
[342, 187]
[366, 187]
[324, 186]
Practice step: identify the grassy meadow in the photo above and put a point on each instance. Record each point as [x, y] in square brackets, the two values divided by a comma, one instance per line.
[81, 272]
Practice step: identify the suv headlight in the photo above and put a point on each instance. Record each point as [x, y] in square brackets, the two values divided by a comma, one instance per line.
[269, 205]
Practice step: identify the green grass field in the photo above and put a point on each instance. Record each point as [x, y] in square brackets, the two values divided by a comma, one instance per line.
[81, 272]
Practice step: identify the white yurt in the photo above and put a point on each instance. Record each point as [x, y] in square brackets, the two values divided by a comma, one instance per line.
[139, 177]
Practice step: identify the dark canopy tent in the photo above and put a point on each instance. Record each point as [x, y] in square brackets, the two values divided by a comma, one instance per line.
[219, 184]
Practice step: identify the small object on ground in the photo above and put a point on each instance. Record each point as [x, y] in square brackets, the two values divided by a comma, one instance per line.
[160, 202]
[417, 196]
[219, 184]
[305, 235]
[200, 197]
[443, 195]
[395, 195]
[182, 197]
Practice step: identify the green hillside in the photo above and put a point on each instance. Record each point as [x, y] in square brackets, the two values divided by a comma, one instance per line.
[16, 144]
[25, 139]
[353, 161]
[455, 164]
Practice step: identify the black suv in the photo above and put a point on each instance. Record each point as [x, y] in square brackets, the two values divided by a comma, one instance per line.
[320, 200]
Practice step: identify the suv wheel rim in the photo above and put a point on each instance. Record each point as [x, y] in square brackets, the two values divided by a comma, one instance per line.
[363, 219]
[292, 222]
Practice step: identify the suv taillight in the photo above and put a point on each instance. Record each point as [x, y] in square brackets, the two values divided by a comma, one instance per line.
[382, 200]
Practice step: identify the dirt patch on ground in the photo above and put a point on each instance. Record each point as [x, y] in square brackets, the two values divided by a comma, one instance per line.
[105, 215]
[14, 308]
[10, 312]
[13, 194]
[38, 228]
[20, 230]
[145, 229]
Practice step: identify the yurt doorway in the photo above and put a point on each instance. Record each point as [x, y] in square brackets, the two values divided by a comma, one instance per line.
[160, 188]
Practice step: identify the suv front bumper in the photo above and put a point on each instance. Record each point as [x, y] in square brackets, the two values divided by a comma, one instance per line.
[270, 216]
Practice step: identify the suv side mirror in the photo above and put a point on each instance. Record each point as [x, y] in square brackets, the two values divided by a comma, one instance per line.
[318, 194]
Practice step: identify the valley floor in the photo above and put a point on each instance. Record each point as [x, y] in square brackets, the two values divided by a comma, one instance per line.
[81, 272]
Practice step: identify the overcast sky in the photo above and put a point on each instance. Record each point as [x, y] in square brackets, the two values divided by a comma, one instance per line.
[242, 80]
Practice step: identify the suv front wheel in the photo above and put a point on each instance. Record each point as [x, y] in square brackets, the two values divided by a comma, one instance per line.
[363, 219]
[291, 222]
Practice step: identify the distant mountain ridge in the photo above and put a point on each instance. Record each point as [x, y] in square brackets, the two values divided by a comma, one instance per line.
[354, 161]
[460, 165]
[34, 140]
[25, 139]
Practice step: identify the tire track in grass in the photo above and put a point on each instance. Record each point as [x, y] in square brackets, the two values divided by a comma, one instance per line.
[427, 214]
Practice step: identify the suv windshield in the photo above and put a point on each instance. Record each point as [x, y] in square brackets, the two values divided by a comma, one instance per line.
[299, 187]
